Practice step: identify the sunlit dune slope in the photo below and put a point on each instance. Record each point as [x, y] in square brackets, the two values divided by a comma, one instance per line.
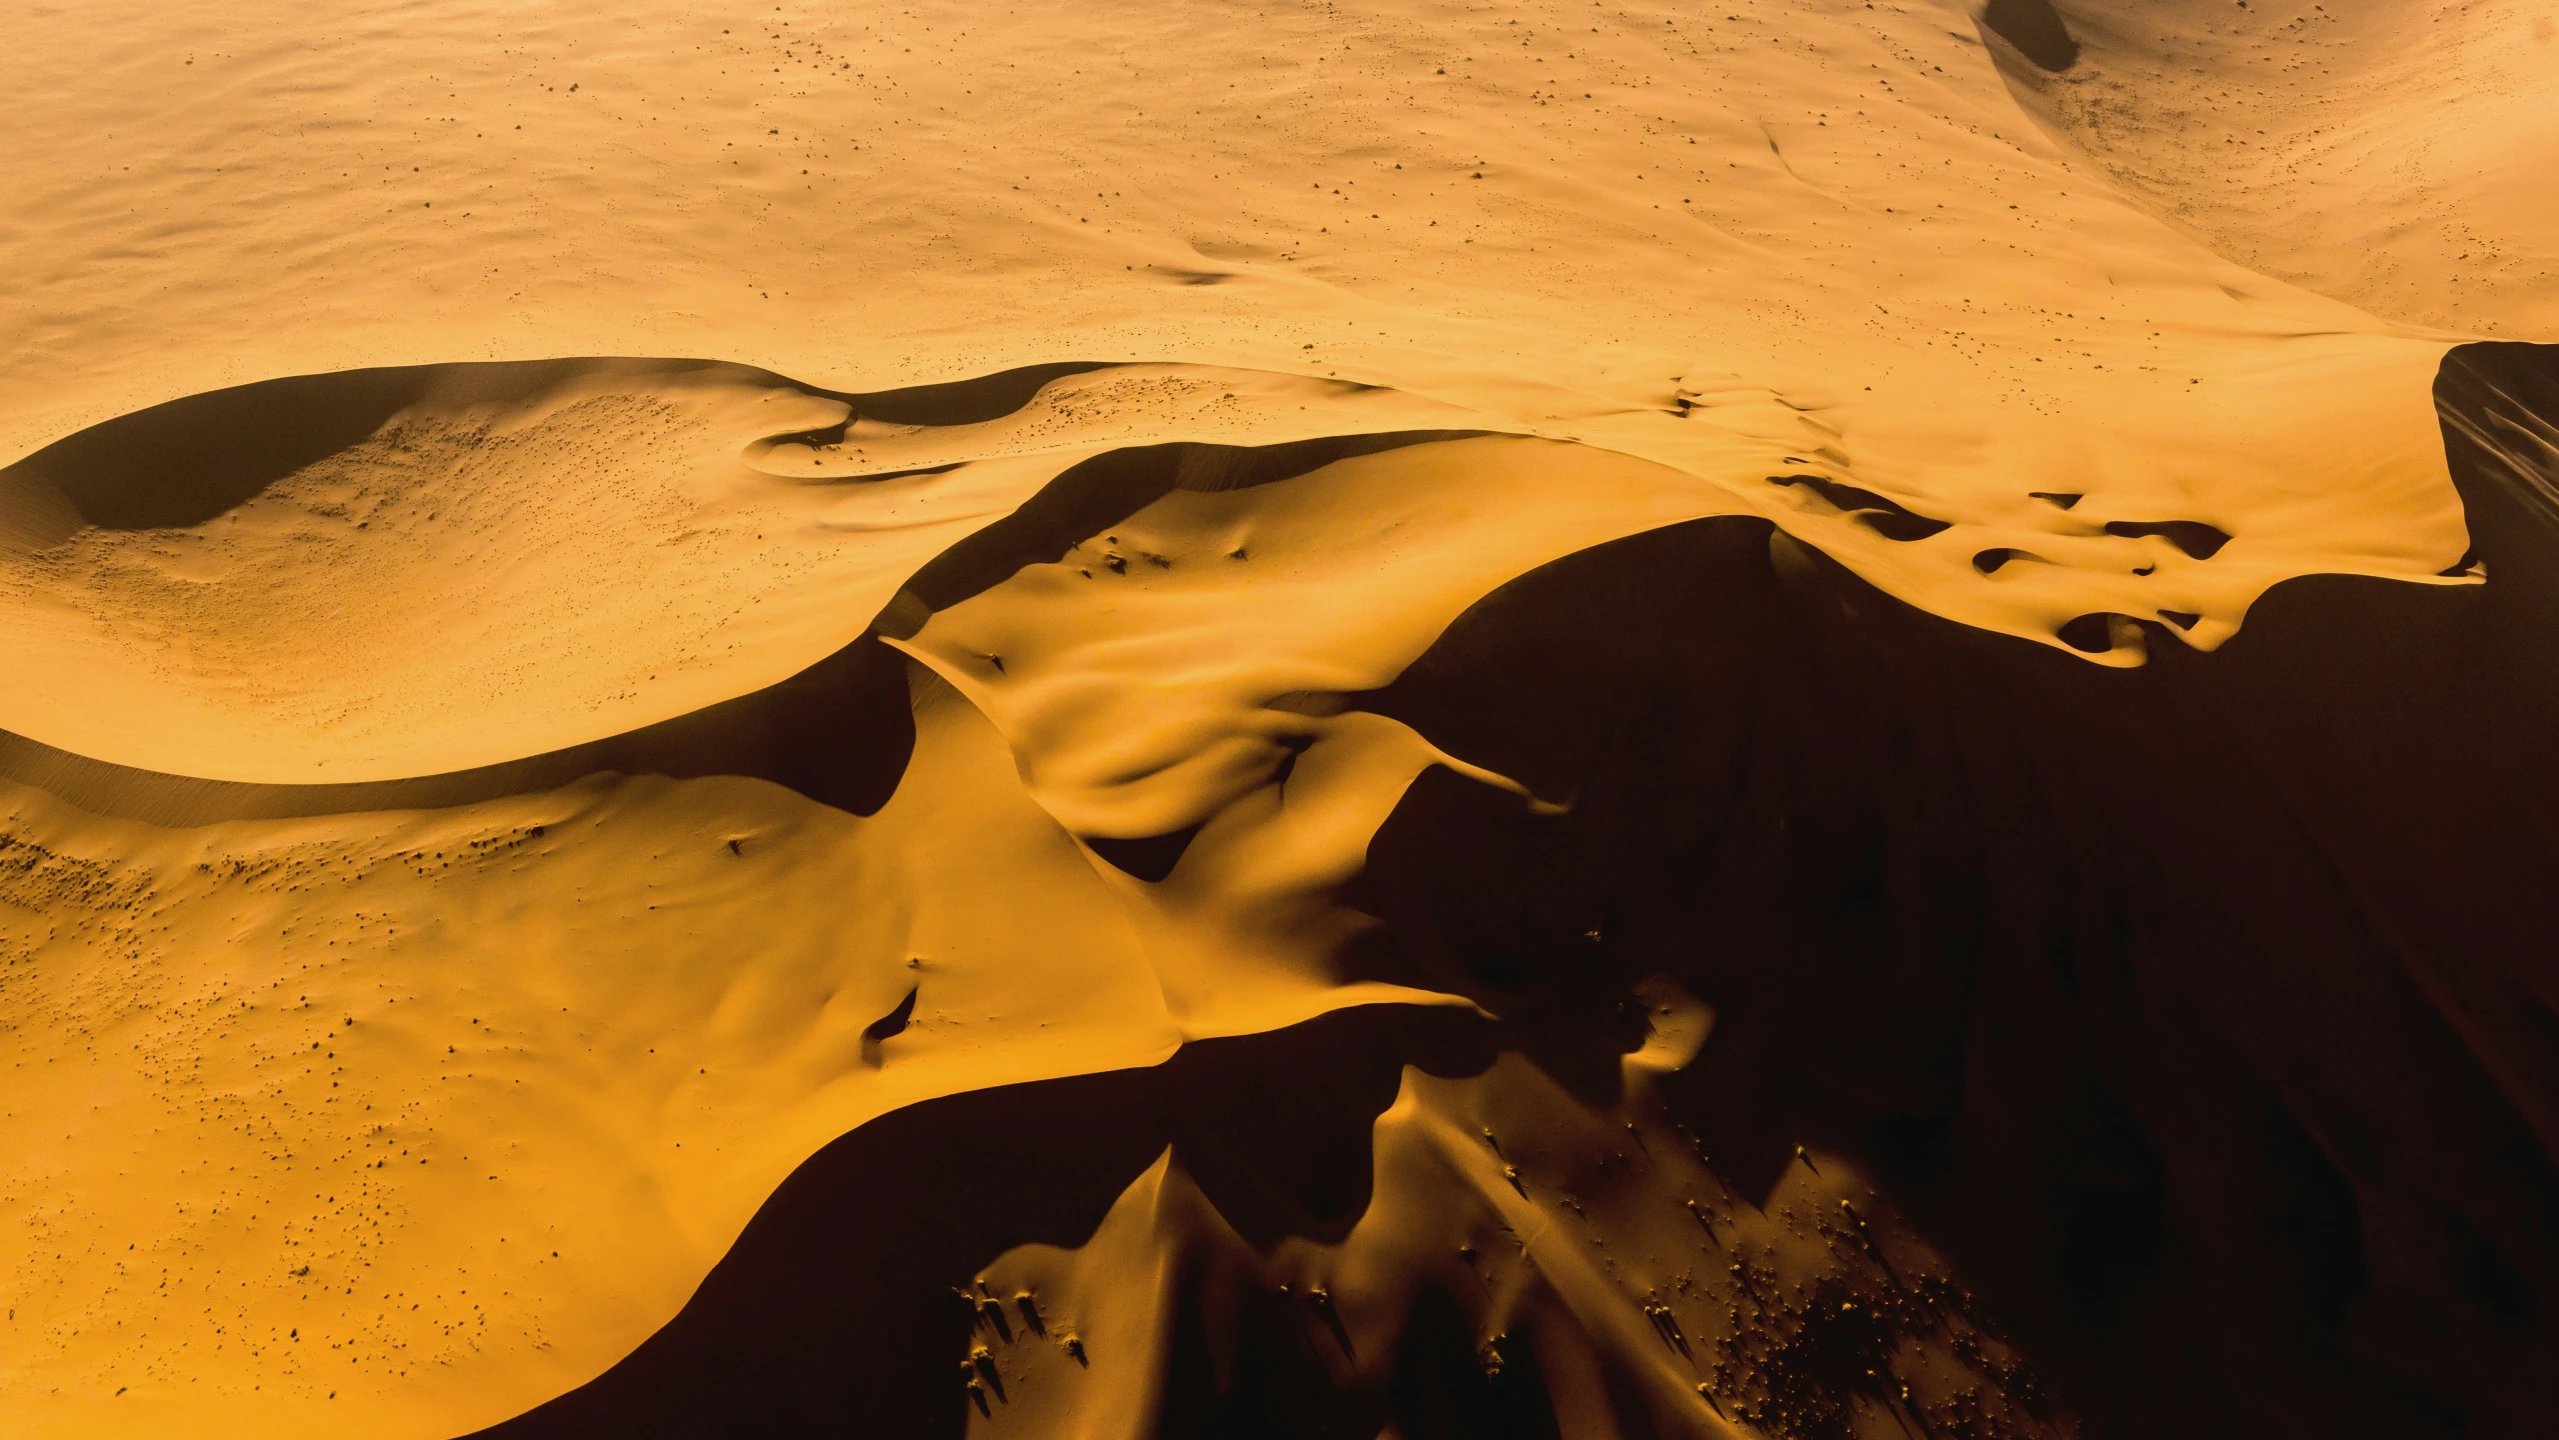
[475, 919]
[1829, 230]
[400, 573]
[2400, 157]
[1804, 603]
[2179, 1024]
[469, 1098]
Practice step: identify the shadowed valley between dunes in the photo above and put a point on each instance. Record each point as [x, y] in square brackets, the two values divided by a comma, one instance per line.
[1817, 720]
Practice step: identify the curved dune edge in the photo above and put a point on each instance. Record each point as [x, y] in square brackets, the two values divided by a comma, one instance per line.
[615, 543]
[1838, 237]
[2151, 1039]
[386, 1006]
[1504, 252]
[232, 586]
[1186, 860]
[359, 888]
[840, 733]
[1403, 1236]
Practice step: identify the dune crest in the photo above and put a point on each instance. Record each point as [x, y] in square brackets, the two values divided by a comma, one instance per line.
[1903, 643]
[370, 1017]
[204, 589]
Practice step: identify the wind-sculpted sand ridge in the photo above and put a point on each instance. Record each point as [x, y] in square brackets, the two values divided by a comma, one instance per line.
[1297, 1275]
[122, 537]
[839, 732]
[1225, 705]
[835, 731]
[519, 898]
[1955, 897]
[1820, 723]
[617, 542]
[331, 1122]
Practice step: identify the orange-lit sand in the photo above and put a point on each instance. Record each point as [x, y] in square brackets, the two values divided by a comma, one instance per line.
[402, 1108]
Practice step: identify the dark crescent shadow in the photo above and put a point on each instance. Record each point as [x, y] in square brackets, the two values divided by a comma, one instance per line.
[840, 732]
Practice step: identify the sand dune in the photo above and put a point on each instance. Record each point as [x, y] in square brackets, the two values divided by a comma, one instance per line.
[323, 1059]
[615, 543]
[1405, 720]
[2255, 127]
[1958, 899]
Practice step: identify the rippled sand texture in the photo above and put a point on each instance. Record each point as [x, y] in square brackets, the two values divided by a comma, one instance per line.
[1409, 720]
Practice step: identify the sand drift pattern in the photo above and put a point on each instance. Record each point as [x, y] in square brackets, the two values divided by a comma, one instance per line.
[1505, 936]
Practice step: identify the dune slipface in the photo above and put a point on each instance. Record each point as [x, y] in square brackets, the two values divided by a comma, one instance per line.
[1820, 720]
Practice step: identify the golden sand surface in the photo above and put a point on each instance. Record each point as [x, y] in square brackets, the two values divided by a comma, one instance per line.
[402, 1112]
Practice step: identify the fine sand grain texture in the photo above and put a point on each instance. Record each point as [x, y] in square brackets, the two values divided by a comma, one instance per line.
[2394, 156]
[1411, 719]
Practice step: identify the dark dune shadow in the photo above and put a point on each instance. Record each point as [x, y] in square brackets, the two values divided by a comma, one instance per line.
[2203, 1013]
[1094, 494]
[835, 1313]
[2036, 29]
[974, 401]
[1149, 859]
[1887, 518]
[840, 732]
[2199, 540]
[189, 460]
